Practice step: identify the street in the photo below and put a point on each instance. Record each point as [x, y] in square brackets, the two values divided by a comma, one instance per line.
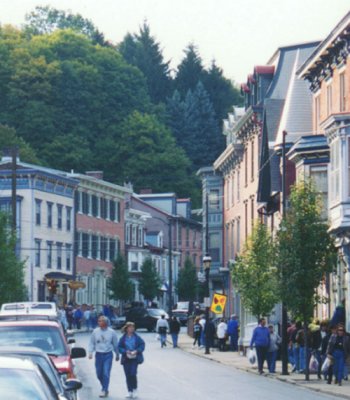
[169, 374]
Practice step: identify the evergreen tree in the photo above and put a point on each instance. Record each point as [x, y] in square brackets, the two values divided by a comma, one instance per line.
[254, 273]
[175, 116]
[190, 70]
[149, 280]
[305, 253]
[120, 283]
[142, 51]
[12, 287]
[187, 283]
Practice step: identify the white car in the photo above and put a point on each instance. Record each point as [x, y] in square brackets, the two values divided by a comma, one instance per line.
[30, 308]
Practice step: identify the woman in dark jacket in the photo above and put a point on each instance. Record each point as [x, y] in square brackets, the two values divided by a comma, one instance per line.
[131, 347]
[339, 350]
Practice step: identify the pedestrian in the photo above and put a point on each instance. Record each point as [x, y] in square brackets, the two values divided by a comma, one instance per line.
[131, 347]
[197, 331]
[103, 342]
[232, 332]
[78, 316]
[93, 317]
[295, 345]
[275, 341]
[202, 323]
[69, 316]
[303, 342]
[87, 318]
[339, 350]
[221, 332]
[325, 341]
[174, 329]
[261, 339]
[209, 333]
[162, 328]
[290, 331]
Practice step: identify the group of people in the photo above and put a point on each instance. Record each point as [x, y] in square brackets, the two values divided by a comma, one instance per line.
[164, 327]
[329, 345]
[129, 349]
[224, 331]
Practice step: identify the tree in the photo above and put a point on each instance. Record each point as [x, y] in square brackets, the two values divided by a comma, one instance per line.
[12, 287]
[142, 51]
[190, 71]
[47, 19]
[305, 253]
[254, 273]
[120, 283]
[149, 280]
[187, 283]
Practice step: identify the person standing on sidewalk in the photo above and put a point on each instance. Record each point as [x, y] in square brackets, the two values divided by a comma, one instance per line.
[103, 342]
[339, 349]
[174, 328]
[232, 332]
[162, 328]
[261, 339]
[221, 332]
[131, 347]
[197, 331]
[275, 341]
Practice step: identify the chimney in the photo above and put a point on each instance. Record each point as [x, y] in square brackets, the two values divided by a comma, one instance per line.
[95, 174]
[145, 191]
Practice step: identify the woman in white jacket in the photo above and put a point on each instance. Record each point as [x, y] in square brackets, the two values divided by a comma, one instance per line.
[221, 332]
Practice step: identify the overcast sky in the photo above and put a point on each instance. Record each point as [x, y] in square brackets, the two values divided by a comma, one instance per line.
[238, 34]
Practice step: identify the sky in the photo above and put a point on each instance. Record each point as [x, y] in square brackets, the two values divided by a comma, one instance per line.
[238, 34]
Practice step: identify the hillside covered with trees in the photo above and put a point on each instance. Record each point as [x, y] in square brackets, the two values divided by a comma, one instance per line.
[72, 100]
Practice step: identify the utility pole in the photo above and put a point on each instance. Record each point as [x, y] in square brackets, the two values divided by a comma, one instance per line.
[14, 189]
[170, 268]
[284, 347]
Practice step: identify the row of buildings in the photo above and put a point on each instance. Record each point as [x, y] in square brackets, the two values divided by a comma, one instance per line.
[301, 97]
[70, 228]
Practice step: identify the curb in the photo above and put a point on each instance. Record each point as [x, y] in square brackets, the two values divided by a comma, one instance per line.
[270, 376]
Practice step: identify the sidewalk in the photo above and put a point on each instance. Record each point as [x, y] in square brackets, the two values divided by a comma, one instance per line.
[233, 359]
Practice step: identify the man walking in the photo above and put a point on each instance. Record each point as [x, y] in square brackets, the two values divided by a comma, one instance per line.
[232, 332]
[103, 342]
[174, 327]
[261, 339]
[162, 328]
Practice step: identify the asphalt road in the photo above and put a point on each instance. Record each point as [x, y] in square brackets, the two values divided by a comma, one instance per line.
[172, 374]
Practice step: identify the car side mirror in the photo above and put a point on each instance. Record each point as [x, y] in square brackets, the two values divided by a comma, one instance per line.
[72, 385]
[77, 352]
[70, 340]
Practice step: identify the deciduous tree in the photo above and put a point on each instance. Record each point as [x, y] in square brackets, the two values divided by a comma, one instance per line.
[149, 280]
[187, 283]
[120, 283]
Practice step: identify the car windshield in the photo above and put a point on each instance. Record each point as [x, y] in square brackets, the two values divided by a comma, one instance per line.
[156, 312]
[46, 338]
[21, 384]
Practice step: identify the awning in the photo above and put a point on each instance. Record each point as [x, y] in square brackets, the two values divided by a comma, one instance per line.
[58, 276]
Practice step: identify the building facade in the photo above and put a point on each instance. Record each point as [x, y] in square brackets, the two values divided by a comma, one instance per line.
[45, 227]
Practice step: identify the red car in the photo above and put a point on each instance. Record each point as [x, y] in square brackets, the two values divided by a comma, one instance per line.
[47, 336]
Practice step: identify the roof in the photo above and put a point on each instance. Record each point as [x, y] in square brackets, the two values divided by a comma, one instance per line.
[314, 146]
[16, 363]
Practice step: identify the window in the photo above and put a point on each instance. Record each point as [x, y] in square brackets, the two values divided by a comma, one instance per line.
[112, 215]
[140, 237]
[252, 212]
[37, 212]
[334, 171]
[187, 236]
[59, 216]
[68, 257]
[238, 246]
[317, 112]
[112, 248]
[94, 206]
[103, 248]
[233, 189]
[342, 92]
[329, 99]
[69, 218]
[214, 246]
[179, 235]
[133, 236]
[49, 214]
[118, 211]
[134, 266]
[127, 234]
[79, 238]
[37, 252]
[214, 199]
[252, 161]
[229, 192]
[59, 255]
[246, 219]
[238, 186]
[245, 166]
[85, 201]
[85, 245]
[94, 245]
[103, 213]
[49, 254]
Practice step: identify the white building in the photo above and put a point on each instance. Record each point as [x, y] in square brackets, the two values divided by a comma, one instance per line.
[45, 226]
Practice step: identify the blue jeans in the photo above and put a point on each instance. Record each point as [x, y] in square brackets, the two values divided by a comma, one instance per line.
[162, 339]
[103, 365]
[174, 337]
[291, 356]
[339, 363]
[234, 342]
[271, 360]
[202, 338]
[130, 370]
[296, 354]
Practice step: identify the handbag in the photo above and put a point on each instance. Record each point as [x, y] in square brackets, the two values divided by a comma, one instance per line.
[252, 356]
[313, 365]
[131, 356]
[325, 366]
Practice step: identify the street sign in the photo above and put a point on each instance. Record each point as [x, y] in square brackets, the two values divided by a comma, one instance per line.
[218, 303]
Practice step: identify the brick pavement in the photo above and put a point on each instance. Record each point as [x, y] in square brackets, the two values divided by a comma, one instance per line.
[235, 360]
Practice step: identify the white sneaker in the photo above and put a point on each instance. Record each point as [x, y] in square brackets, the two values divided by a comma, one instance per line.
[134, 394]
[129, 395]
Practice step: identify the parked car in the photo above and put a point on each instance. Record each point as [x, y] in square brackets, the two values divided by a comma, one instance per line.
[145, 318]
[66, 390]
[118, 322]
[31, 308]
[22, 379]
[47, 336]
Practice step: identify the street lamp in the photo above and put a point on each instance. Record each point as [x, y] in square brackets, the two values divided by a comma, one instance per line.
[206, 265]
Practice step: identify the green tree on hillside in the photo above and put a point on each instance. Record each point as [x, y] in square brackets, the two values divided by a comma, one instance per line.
[48, 19]
[149, 280]
[142, 51]
[120, 283]
[187, 283]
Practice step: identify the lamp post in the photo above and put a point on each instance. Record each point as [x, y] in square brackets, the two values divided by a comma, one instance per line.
[206, 265]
